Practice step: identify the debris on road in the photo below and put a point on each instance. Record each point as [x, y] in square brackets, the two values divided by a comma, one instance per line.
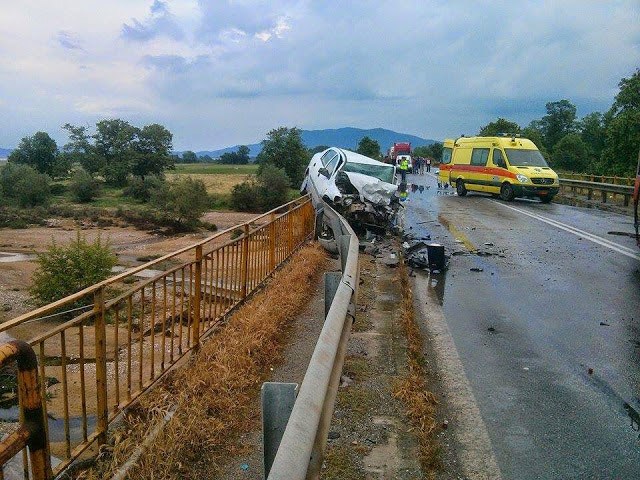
[476, 269]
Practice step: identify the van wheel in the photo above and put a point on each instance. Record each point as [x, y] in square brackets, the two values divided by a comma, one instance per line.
[546, 199]
[460, 188]
[506, 192]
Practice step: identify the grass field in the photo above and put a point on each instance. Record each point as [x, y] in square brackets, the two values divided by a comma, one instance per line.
[215, 169]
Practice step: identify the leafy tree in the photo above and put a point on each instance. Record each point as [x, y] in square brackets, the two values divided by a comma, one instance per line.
[571, 153]
[80, 150]
[622, 124]
[592, 132]
[533, 133]
[267, 191]
[241, 157]
[189, 157]
[182, 201]
[24, 184]
[284, 149]
[244, 152]
[141, 190]
[434, 151]
[500, 126]
[39, 151]
[152, 151]
[83, 186]
[274, 187]
[114, 146]
[318, 149]
[369, 148]
[64, 270]
[558, 122]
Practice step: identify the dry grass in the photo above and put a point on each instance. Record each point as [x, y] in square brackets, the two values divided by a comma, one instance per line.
[215, 394]
[413, 390]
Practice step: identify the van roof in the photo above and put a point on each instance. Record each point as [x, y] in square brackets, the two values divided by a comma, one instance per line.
[504, 142]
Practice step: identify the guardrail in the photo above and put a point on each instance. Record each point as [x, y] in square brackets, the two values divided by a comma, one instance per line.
[32, 430]
[605, 189]
[138, 328]
[301, 448]
[608, 179]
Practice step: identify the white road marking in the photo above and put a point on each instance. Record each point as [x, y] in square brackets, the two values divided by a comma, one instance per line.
[624, 250]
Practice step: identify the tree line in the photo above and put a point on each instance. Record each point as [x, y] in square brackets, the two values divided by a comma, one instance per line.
[600, 143]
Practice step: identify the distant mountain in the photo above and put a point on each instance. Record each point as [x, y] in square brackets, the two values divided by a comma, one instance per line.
[347, 137]
[4, 152]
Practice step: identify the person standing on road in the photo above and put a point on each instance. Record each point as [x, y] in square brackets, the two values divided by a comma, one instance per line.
[428, 162]
[422, 163]
[404, 167]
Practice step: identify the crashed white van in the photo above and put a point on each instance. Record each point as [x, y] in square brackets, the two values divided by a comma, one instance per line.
[358, 187]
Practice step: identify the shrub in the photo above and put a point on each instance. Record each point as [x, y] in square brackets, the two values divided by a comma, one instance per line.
[245, 196]
[140, 189]
[268, 191]
[24, 184]
[64, 270]
[274, 187]
[182, 201]
[84, 187]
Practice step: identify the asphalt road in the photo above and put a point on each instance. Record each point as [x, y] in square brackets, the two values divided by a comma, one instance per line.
[548, 332]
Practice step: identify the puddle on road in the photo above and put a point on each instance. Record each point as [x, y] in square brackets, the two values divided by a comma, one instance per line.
[10, 257]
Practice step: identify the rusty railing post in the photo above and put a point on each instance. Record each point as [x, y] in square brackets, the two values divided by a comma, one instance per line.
[245, 260]
[272, 242]
[100, 331]
[195, 340]
[32, 431]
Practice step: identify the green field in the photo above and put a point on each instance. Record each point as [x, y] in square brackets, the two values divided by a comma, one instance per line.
[215, 169]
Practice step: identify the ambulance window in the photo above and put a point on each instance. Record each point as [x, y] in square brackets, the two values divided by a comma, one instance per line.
[446, 155]
[480, 156]
[498, 159]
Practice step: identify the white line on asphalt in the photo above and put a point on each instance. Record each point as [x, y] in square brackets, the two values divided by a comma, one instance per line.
[580, 233]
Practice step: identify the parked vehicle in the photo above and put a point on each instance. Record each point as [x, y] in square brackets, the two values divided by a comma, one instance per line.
[507, 166]
[397, 151]
[358, 187]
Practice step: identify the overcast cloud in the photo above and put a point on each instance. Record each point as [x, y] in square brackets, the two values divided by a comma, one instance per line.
[223, 72]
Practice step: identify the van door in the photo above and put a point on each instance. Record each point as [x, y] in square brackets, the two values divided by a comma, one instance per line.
[496, 171]
[479, 177]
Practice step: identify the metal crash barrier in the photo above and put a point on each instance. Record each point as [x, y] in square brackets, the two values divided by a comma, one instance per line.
[301, 448]
[605, 189]
[32, 430]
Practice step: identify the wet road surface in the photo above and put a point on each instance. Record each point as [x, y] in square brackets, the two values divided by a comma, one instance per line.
[547, 328]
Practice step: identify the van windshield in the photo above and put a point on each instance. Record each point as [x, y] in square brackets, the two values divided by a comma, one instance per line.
[525, 158]
[381, 172]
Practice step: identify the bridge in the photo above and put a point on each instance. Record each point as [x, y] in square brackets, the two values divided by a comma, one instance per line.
[533, 327]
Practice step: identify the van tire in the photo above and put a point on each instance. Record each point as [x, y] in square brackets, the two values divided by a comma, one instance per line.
[506, 192]
[460, 188]
[546, 199]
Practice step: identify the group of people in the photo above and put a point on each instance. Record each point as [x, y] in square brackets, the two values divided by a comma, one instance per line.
[419, 165]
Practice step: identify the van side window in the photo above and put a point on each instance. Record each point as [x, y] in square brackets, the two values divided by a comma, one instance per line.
[446, 155]
[479, 156]
[498, 159]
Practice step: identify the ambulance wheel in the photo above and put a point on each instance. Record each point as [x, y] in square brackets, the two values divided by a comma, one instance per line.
[460, 188]
[506, 192]
[546, 199]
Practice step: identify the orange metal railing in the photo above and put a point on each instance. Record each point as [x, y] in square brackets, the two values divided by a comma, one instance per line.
[139, 324]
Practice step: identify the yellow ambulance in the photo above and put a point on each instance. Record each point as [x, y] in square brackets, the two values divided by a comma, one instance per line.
[508, 166]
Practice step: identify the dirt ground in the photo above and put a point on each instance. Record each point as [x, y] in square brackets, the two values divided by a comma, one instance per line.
[128, 243]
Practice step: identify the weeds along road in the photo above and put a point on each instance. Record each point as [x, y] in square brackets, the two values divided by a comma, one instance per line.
[542, 310]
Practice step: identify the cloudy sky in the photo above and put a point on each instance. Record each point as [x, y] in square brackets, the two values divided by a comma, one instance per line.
[224, 72]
